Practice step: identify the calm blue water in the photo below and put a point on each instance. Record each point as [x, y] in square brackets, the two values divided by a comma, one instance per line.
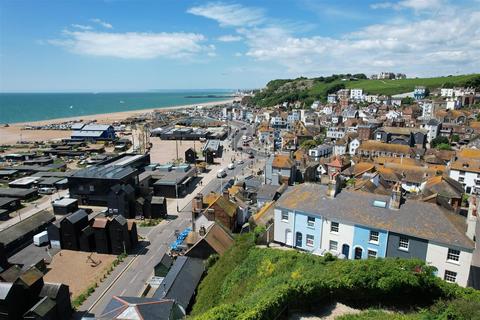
[23, 107]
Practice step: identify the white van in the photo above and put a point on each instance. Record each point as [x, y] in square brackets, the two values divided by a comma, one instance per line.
[40, 238]
[231, 166]
[221, 173]
[46, 190]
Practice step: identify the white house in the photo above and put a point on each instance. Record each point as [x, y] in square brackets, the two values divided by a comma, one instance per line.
[428, 109]
[353, 146]
[340, 147]
[371, 98]
[356, 94]
[446, 92]
[315, 105]
[332, 98]
[433, 129]
[467, 172]
[321, 151]
[335, 132]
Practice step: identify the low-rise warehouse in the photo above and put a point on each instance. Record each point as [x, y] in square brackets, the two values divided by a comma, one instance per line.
[20, 234]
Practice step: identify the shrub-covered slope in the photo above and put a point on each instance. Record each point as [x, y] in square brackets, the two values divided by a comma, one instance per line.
[254, 283]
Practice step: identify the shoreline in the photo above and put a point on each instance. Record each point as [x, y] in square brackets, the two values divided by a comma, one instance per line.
[15, 131]
[115, 116]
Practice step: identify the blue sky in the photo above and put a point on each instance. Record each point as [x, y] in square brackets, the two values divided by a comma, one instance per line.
[116, 45]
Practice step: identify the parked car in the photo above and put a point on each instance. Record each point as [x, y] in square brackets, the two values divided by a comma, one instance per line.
[46, 190]
[231, 166]
[221, 173]
[240, 161]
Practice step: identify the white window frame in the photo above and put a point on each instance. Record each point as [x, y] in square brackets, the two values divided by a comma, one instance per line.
[333, 246]
[332, 228]
[401, 243]
[369, 256]
[310, 240]
[450, 276]
[310, 224]
[283, 215]
[453, 256]
[372, 239]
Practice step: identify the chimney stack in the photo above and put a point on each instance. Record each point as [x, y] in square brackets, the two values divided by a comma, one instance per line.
[197, 203]
[473, 216]
[193, 220]
[333, 185]
[396, 197]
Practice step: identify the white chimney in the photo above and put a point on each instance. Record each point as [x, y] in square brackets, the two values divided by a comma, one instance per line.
[473, 216]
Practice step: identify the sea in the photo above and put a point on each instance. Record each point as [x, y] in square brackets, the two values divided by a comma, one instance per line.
[24, 107]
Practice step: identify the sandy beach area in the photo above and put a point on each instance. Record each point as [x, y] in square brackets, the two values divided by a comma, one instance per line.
[14, 133]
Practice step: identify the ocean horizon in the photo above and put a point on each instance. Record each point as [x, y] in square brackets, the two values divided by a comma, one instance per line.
[24, 107]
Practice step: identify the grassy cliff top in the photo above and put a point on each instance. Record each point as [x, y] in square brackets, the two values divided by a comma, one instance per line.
[308, 90]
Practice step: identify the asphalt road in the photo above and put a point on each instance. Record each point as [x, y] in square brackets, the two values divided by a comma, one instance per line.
[132, 278]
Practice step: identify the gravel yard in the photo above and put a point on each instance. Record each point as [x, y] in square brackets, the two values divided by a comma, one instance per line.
[74, 269]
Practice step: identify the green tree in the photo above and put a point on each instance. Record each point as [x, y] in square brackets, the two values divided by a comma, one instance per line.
[334, 88]
[408, 101]
[308, 144]
[439, 140]
[455, 138]
[443, 146]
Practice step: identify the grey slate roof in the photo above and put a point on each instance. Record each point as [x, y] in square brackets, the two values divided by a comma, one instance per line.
[141, 308]
[5, 289]
[77, 216]
[50, 290]
[181, 281]
[104, 172]
[414, 218]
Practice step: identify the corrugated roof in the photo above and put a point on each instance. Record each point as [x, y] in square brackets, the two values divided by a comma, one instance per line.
[414, 218]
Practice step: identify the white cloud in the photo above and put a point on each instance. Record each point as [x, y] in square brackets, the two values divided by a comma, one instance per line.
[416, 5]
[441, 43]
[238, 54]
[229, 38]
[233, 15]
[102, 23]
[134, 45]
[81, 26]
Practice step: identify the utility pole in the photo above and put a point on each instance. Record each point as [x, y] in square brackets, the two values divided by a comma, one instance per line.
[176, 148]
[176, 195]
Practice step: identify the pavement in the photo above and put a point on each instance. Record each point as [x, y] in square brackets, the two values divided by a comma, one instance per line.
[130, 277]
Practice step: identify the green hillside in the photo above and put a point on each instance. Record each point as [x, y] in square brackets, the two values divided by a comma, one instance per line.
[308, 90]
[253, 283]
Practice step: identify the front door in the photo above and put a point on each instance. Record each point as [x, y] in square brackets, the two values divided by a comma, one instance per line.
[288, 237]
[346, 250]
[358, 253]
[298, 239]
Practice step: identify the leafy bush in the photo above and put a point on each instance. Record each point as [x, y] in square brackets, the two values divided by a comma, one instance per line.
[254, 283]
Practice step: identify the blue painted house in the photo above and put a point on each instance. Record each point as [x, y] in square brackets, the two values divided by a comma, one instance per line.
[358, 225]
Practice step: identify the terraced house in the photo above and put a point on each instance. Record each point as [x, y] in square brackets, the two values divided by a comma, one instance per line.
[358, 225]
